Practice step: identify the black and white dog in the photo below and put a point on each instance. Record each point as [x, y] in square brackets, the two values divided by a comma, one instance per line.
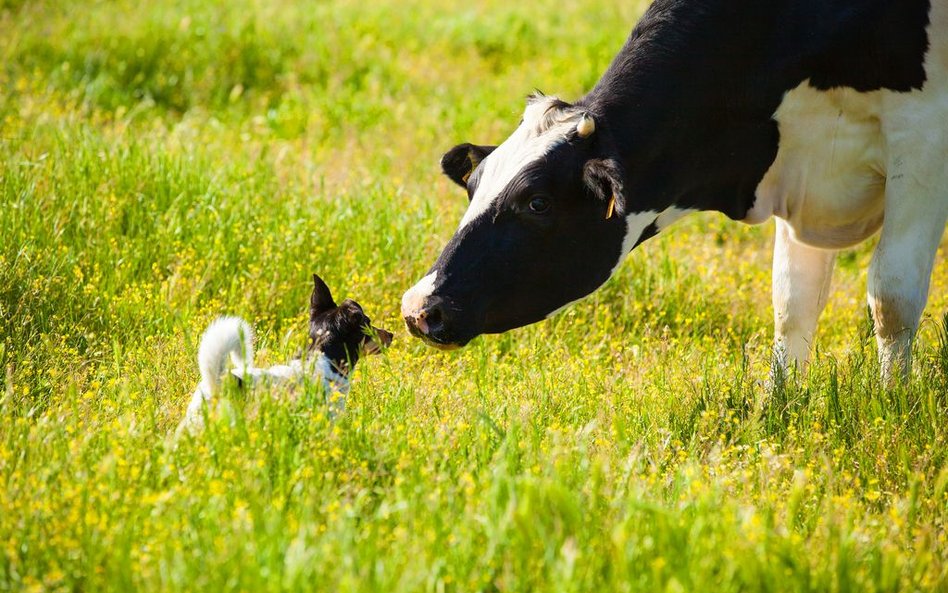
[339, 335]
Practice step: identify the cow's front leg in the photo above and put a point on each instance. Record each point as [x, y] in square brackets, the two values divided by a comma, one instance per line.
[801, 284]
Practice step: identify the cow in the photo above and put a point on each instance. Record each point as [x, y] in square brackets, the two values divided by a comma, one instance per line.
[830, 116]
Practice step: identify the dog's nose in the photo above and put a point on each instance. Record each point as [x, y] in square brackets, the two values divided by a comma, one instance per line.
[426, 319]
[385, 336]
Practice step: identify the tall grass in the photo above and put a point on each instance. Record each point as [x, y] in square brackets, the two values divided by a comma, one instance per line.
[163, 163]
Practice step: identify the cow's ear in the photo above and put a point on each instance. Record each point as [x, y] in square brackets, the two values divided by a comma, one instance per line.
[459, 162]
[321, 299]
[604, 179]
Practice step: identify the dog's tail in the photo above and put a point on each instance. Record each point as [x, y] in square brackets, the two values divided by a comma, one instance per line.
[226, 335]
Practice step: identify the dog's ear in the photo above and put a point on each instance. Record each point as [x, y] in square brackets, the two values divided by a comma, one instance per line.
[459, 162]
[604, 179]
[321, 299]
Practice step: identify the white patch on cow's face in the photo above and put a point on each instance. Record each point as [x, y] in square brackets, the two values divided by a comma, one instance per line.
[524, 147]
[414, 299]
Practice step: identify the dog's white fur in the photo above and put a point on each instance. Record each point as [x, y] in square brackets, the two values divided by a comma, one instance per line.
[232, 337]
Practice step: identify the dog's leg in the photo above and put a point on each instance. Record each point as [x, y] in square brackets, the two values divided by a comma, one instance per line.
[193, 421]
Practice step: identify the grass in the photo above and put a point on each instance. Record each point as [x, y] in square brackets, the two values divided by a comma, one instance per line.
[167, 162]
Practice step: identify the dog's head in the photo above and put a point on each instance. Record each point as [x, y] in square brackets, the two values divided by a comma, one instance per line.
[341, 332]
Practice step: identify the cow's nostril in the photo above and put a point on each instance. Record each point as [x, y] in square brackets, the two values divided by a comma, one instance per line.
[434, 317]
[428, 320]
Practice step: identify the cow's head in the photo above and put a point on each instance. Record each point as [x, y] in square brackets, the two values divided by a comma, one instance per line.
[547, 224]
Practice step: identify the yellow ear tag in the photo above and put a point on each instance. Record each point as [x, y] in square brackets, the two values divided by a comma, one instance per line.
[612, 207]
[474, 162]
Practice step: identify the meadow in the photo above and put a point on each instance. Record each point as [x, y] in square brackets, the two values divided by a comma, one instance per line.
[162, 163]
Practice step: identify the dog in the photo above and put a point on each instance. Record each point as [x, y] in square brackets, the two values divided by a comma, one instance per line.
[338, 336]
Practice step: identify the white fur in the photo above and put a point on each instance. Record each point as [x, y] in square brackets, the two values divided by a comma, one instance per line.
[414, 299]
[848, 164]
[635, 225]
[637, 222]
[225, 337]
[671, 215]
[529, 143]
[801, 281]
[232, 337]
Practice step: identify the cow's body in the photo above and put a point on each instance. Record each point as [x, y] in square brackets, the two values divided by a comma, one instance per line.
[830, 115]
[848, 164]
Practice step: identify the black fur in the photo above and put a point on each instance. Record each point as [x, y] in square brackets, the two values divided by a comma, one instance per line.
[321, 299]
[684, 117]
[459, 162]
[511, 266]
[341, 332]
[689, 100]
[604, 178]
[881, 45]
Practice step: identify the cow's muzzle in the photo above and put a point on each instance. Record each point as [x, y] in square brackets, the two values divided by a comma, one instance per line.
[427, 318]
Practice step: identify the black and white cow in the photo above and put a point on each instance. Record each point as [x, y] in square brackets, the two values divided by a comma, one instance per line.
[829, 115]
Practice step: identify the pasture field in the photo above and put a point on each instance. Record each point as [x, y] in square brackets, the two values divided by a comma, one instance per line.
[165, 162]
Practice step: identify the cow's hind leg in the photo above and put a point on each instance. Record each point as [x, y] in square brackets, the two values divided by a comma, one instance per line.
[916, 207]
[801, 280]
[900, 273]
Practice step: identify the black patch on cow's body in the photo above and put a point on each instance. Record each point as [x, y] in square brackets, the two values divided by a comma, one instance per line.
[882, 46]
[689, 101]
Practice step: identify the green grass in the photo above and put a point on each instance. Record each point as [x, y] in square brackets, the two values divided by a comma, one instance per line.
[163, 163]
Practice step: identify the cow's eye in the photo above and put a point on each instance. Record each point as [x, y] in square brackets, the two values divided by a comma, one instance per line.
[539, 205]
